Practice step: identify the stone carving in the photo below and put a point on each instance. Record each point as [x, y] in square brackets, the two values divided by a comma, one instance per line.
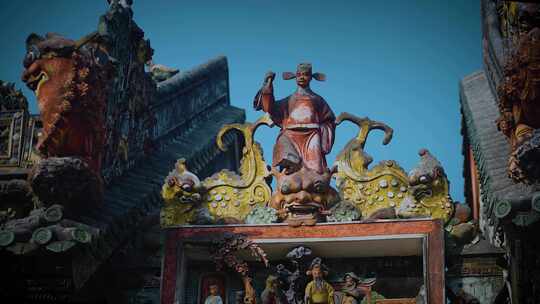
[226, 196]
[307, 124]
[386, 188]
[519, 92]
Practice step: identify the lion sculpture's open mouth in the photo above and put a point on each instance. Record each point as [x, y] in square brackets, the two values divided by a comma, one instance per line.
[304, 213]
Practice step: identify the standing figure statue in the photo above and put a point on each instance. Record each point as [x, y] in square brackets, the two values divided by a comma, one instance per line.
[318, 291]
[307, 123]
[307, 134]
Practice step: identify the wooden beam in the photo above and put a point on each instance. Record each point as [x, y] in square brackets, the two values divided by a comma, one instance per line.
[475, 186]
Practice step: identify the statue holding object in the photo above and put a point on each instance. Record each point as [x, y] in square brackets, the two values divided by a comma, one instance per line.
[307, 134]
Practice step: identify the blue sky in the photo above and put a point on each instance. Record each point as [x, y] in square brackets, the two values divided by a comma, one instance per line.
[397, 61]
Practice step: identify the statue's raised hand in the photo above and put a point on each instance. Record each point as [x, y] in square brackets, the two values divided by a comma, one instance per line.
[266, 90]
[269, 77]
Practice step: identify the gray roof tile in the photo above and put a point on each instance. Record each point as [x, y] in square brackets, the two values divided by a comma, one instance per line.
[490, 147]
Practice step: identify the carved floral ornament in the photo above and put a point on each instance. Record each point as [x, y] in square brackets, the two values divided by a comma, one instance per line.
[303, 194]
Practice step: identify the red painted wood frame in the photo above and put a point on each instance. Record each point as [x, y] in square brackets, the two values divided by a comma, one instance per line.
[432, 230]
[475, 186]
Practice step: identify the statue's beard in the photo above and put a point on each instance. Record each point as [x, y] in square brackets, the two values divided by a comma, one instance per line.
[350, 285]
[318, 283]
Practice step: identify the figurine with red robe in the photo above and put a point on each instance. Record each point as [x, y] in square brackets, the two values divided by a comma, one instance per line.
[307, 123]
[303, 193]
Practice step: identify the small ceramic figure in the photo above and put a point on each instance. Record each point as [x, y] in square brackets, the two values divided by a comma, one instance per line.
[350, 293]
[318, 291]
[273, 294]
[214, 297]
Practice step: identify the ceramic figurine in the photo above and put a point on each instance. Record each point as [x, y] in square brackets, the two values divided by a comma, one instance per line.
[318, 291]
[214, 297]
[350, 293]
[307, 134]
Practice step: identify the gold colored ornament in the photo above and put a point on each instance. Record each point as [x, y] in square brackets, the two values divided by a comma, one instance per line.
[247, 189]
[424, 190]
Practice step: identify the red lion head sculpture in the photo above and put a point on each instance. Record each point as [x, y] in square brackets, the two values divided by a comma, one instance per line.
[70, 81]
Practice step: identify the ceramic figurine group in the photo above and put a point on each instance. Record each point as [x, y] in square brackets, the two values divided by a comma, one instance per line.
[316, 291]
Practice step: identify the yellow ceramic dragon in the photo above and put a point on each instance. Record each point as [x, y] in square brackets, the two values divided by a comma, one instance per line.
[225, 197]
[421, 193]
[228, 197]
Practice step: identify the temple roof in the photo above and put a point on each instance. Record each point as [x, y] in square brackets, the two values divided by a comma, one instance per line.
[137, 193]
[191, 108]
[490, 148]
